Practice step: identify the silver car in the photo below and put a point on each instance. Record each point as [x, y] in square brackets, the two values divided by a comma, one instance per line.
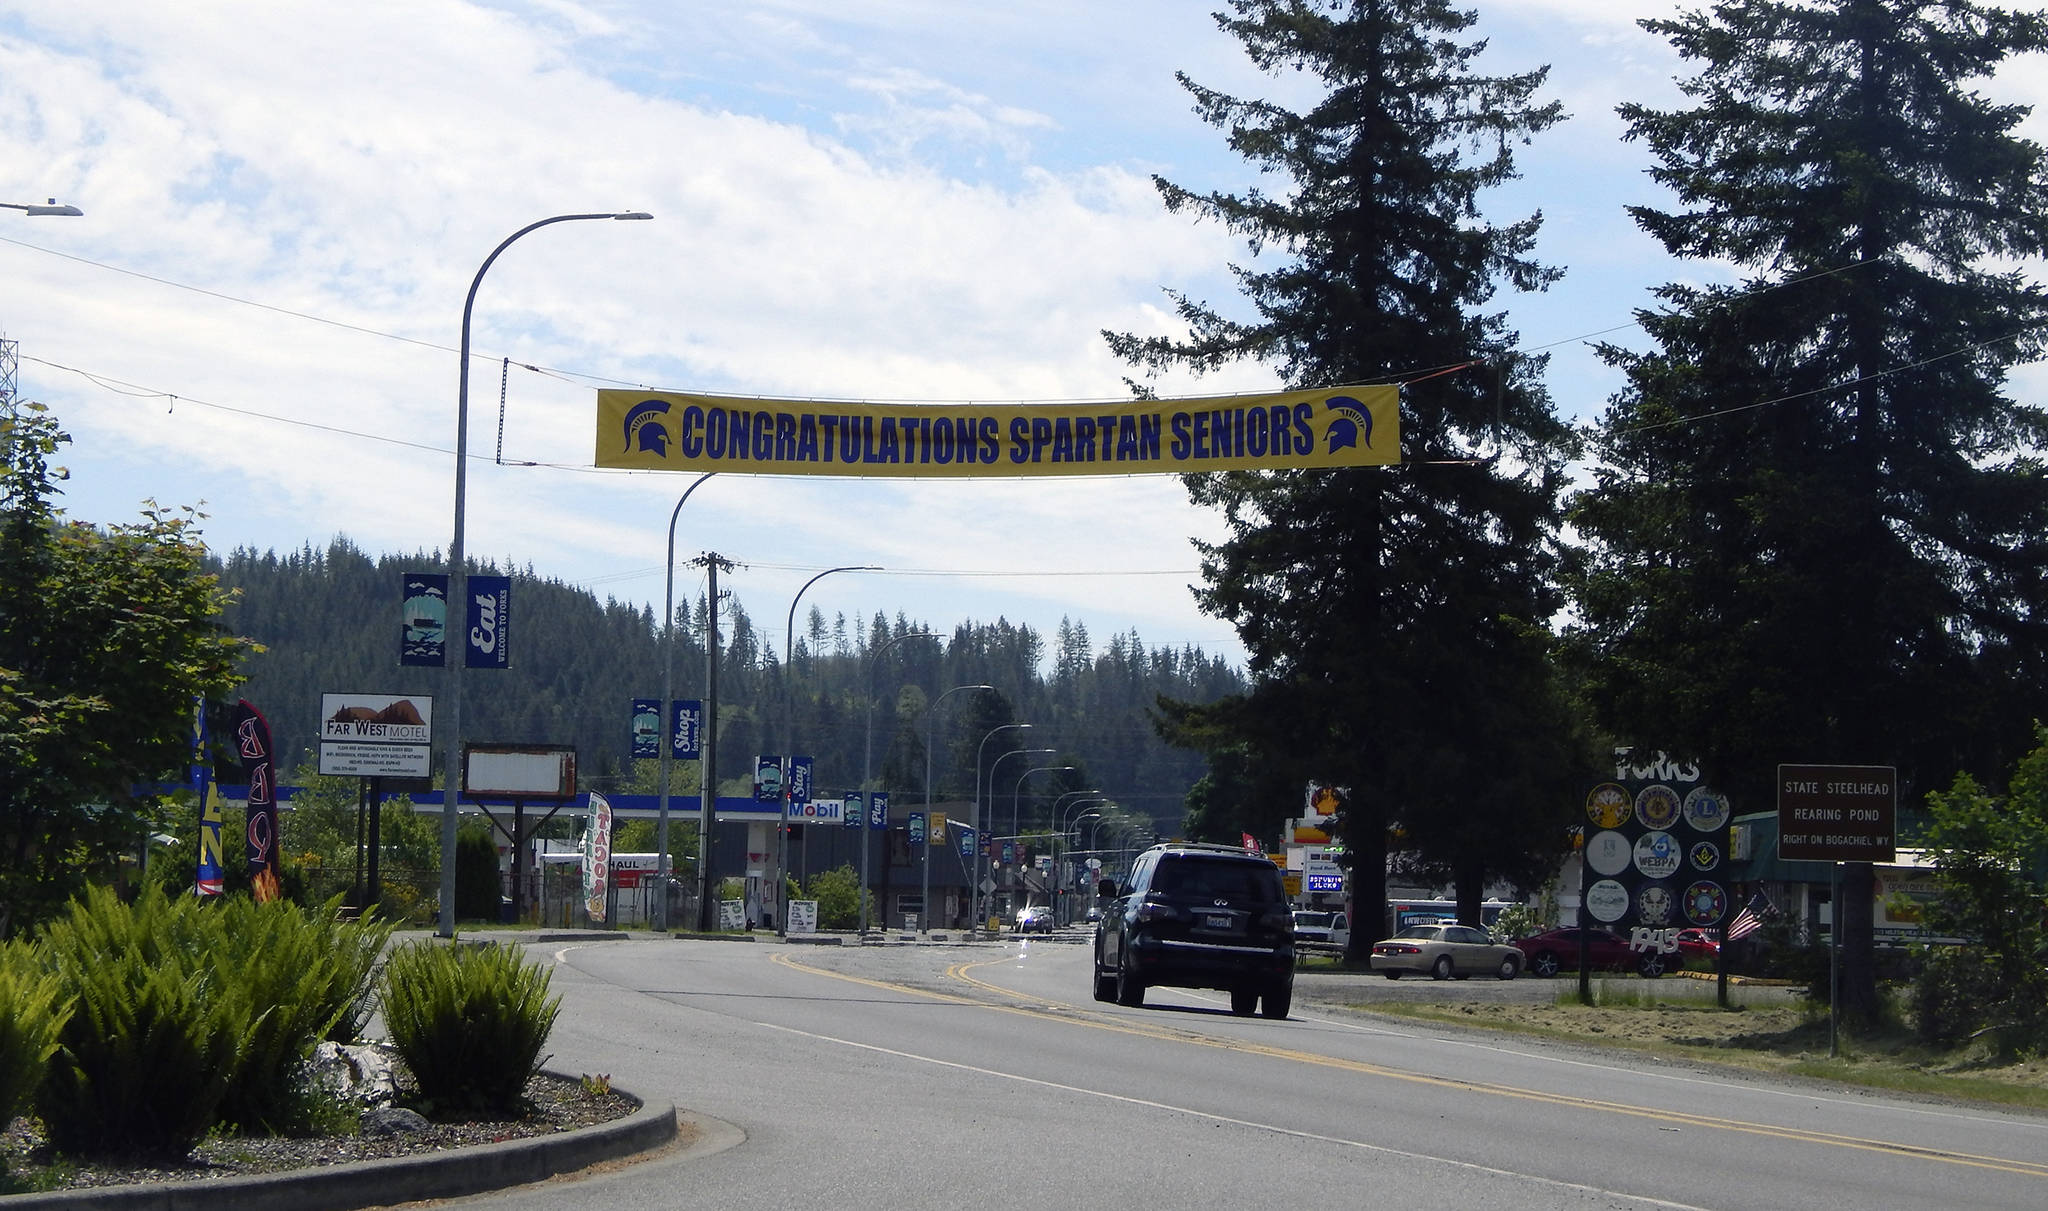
[1445, 951]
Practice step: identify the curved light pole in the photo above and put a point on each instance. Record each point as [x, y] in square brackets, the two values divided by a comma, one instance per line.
[997, 764]
[1067, 824]
[789, 709]
[931, 712]
[867, 761]
[54, 210]
[1059, 805]
[1014, 791]
[1060, 838]
[980, 752]
[789, 628]
[668, 723]
[458, 653]
[1017, 791]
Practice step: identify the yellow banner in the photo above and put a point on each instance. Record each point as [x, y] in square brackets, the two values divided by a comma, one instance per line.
[669, 431]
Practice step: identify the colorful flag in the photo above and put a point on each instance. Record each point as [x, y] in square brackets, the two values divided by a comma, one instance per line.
[1752, 917]
[252, 744]
[209, 879]
[597, 856]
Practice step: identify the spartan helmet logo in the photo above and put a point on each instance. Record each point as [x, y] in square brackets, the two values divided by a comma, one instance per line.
[644, 428]
[1351, 426]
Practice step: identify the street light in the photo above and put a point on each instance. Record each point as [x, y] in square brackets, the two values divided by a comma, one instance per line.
[1017, 791]
[867, 761]
[452, 770]
[789, 709]
[53, 210]
[668, 737]
[1059, 838]
[1059, 804]
[789, 630]
[980, 752]
[997, 764]
[1078, 804]
[932, 717]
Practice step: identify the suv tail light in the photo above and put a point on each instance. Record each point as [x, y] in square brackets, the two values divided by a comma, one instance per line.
[1152, 910]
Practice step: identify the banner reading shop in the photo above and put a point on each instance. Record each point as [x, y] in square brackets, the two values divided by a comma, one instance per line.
[666, 431]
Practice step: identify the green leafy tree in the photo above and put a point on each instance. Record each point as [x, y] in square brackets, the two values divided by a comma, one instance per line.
[1818, 524]
[839, 894]
[1991, 857]
[1393, 616]
[108, 639]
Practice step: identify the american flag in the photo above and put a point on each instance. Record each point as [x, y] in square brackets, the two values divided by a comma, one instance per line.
[1751, 918]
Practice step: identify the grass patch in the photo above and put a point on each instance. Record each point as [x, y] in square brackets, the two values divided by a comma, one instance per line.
[1761, 1031]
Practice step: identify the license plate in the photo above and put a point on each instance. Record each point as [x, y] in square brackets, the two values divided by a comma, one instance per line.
[1215, 921]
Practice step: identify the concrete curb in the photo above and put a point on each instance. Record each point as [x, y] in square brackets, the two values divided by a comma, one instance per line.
[400, 1179]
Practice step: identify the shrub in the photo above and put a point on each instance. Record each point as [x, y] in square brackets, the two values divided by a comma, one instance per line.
[469, 1022]
[838, 893]
[288, 979]
[1515, 922]
[33, 1010]
[478, 889]
[146, 1055]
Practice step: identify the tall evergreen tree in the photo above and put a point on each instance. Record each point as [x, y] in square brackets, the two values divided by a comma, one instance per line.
[1818, 527]
[1393, 616]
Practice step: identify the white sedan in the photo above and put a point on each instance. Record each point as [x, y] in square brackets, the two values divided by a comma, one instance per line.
[1444, 951]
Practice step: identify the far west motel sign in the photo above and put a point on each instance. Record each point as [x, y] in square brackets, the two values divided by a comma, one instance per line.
[673, 431]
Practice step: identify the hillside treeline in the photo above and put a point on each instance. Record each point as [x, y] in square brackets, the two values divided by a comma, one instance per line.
[329, 622]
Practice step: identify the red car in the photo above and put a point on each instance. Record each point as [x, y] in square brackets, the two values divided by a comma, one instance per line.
[1698, 946]
[1557, 950]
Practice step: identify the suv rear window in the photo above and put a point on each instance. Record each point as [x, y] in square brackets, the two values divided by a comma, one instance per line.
[1237, 880]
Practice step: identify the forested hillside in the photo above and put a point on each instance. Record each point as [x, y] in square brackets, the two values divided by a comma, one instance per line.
[329, 622]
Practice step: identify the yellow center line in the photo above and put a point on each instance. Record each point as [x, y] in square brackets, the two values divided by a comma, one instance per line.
[1091, 1020]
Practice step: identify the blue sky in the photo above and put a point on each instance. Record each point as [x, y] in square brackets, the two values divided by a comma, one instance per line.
[906, 199]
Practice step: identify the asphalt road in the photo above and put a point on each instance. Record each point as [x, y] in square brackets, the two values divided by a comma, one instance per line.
[980, 1076]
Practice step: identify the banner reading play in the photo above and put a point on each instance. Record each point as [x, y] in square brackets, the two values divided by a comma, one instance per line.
[667, 431]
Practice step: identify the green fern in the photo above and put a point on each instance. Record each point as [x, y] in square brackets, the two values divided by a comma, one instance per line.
[33, 1010]
[147, 1053]
[291, 978]
[469, 1022]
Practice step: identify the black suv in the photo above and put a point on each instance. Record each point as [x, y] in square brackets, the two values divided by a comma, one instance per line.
[1198, 916]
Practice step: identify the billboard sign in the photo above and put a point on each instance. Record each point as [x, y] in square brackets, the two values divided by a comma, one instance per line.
[376, 735]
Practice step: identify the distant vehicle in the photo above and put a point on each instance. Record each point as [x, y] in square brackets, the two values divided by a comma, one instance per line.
[1445, 951]
[1034, 918]
[1697, 945]
[1198, 916]
[1324, 927]
[1557, 950]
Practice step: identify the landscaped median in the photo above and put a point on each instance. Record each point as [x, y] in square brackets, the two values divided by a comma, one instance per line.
[452, 1173]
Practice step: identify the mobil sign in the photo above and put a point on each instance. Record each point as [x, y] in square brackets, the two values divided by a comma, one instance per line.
[817, 811]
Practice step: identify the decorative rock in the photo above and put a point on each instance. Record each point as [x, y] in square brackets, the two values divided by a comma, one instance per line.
[394, 1120]
[361, 1073]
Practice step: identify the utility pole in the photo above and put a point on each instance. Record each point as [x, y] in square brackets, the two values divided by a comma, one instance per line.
[707, 778]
